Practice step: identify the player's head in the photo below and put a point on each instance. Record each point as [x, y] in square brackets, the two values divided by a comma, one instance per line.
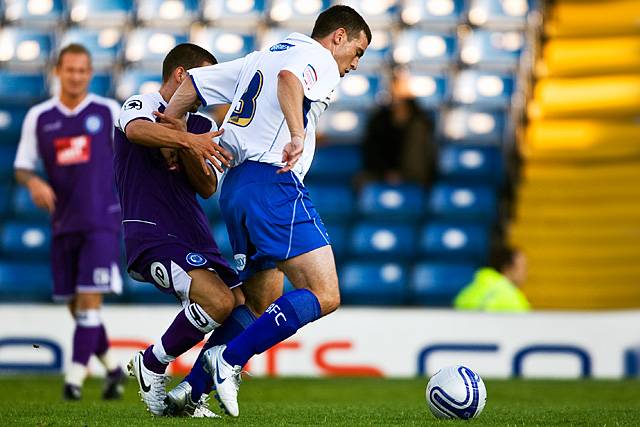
[180, 59]
[345, 33]
[74, 70]
[511, 262]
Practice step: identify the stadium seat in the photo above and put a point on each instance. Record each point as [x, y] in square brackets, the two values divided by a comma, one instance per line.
[11, 124]
[298, 15]
[499, 14]
[468, 202]
[467, 126]
[20, 88]
[428, 88]
[101, 13]
[104, 44]
[23, 207]
[137, 81]
[226, 45]
[101, 84]
[378, 14]
[147, 47]
[404, 202]
[334, 202]
[446, 241]
[434, 15]
[25, 48]
[378, 53]
[25, 281]
[338, 235]
[5, 199]
[145, 293]
[343, 126]
[25, 240]
[471, 164]
[424, 49]
[383, 240]
[437, 284]
[167, 13]
[220, 235]
[34, 13]
[368, 283]
[358, 92]
[482, 89]
[492, 50]
[335, 163]
[7, 156]
[233, 14]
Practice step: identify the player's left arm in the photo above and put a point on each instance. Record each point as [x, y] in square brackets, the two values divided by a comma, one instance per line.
[290, 98]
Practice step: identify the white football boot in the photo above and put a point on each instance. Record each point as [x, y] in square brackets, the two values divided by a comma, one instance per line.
[226, 379]
[152, 385]
[180, 403]
[202, 409]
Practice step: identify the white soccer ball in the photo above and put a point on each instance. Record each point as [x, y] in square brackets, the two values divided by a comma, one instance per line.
[456, 392]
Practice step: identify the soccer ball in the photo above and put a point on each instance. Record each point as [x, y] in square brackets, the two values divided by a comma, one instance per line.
[456, 392]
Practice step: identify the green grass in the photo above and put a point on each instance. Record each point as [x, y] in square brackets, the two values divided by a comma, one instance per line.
[35, 401]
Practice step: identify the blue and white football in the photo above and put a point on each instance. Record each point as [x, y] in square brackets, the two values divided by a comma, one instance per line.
[456, 392]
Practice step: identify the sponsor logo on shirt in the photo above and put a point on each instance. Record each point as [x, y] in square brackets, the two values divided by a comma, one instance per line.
[50, 127]
[93, 124]
[72, 150]
[309, 76]
[280, 47]
[133, 104]
[160, 274]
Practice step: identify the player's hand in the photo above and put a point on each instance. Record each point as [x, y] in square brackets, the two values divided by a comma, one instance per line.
[203, 148]
[171, 122]
[42, 194]
[292, 153]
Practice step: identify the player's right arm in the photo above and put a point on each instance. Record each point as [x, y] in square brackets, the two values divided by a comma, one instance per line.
[25, 164]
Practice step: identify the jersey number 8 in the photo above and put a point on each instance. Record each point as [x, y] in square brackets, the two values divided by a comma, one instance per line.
[245, 110]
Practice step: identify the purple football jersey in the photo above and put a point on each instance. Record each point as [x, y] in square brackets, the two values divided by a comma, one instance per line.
[76, 149]
[159, 205]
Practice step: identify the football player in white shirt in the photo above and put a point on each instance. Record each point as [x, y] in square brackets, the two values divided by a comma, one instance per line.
[276, 97]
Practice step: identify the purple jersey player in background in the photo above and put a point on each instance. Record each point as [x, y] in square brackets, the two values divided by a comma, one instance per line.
[72, 134]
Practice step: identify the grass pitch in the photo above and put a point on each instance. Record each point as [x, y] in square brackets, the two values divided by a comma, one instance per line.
[36, 401]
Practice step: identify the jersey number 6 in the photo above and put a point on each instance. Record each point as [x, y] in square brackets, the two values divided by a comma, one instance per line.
[245, 110]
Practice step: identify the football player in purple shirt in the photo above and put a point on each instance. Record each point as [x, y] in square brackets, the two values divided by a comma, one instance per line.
[72, 135]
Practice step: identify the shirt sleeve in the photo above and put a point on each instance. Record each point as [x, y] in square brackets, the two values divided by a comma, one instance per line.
[27, 156]
[216, 84]
[316, 70]
[136, 107]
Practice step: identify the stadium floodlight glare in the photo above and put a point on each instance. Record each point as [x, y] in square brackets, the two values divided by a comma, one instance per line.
[79, 12]
[471, 159]
[383, 240]
[239, 6]
[480, 123]
[510, 41]
[161, 43]
[515, 7]
[390, 272]
[454, 238]
[432, 46]
[470, 54]
[478, 15]
[462, 198]
[489, 86]
[344, 121]
[356, 85]
[391, 199]
[375, 7]
[440, 7]
[109, 37]
[281, 11]
[229, 43]
[172, 9]
[149, 87]
[28, 50]
[421, 86]
[410, 15]
[307, 7]
[39, 7]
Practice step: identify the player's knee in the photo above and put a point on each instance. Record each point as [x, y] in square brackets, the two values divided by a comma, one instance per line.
[329, 301]
[218, 304]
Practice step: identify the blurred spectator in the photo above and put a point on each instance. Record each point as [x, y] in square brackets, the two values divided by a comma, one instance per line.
[495, 288]
[398, 144]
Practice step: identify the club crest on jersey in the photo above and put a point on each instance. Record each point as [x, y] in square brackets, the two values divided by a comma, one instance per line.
[241, 261]
[309, 76]
[279, 47]
[196, 259]
[133, 104]
[93, 124]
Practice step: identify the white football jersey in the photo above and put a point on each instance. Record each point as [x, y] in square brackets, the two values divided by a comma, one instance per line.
[255, 128]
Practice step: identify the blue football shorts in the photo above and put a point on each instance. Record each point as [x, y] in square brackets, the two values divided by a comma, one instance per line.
[269, 217]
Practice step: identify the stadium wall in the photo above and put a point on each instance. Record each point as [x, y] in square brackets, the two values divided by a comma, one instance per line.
[361, 341]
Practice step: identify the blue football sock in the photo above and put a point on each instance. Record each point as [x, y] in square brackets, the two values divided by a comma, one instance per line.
[239, 320]
[281, 320]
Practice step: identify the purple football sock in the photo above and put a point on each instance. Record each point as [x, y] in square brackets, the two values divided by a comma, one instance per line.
[181, 336]
[84, 343]
[103, 342]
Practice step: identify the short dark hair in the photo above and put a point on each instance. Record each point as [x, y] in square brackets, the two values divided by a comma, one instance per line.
[502, 257]
[72, 48]
[185, 55]
[340, 16]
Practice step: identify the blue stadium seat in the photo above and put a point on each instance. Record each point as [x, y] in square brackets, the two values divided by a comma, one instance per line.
[147, 47]
[434, 283]
[25, 281]
[405, 202]
[25, 240]
[438, 15]
[226, 45]
[334, 202]
[7, 156]
[378, 53]
[104, 44]
[335, 163]
[378, 14]
[499, 14]
[167, 13]
[296, 14]
[19, 88]
[220, 235]
[101, 13]
[358, 92]
[367, 283]
[23, 207]
[25, 48]
[338, 235]
[469, 202]
[134, 81]
[429, 89]
[383, 241]
[492, 50]
[467, 126]
[448, 241]
[30, 13]
[11, 124]
[483, 89]
[343, 126]
[234, 14]
[101, 84]
[424, 49]
[146, 293]
[471, 164]
[272, 35]
[6, 193]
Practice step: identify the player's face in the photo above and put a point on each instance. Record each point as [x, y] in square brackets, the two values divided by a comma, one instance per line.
[74, 73]
[519, 269]
[348, 52]
[194, 108]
